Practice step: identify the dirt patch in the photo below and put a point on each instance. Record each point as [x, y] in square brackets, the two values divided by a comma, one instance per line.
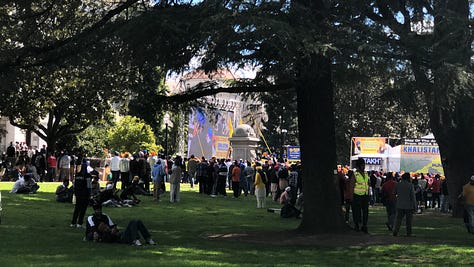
[294, 238]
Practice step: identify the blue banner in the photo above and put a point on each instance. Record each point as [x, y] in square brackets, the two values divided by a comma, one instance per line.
[293, 153]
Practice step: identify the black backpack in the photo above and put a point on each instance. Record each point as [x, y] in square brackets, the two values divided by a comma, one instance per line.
[263, 175]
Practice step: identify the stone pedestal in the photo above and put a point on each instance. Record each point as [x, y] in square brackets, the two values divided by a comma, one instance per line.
[244, 143]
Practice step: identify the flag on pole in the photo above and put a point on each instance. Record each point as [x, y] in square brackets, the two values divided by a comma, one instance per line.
[231, 128]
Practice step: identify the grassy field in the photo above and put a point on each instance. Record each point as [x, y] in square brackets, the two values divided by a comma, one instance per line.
[35, 232]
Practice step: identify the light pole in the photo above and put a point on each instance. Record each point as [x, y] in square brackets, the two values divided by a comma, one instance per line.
[166, 139]
[167, 121]
[284, 131]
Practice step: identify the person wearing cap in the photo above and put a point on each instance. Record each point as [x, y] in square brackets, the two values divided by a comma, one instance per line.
[101, 228]
[468, 195]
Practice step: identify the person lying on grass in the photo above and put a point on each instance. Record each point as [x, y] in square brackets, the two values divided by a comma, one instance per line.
[100, 228]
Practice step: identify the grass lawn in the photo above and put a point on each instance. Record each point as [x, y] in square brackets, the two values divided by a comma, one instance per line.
[35, 232]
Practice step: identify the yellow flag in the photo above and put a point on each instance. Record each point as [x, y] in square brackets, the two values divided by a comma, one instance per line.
[241, 122]
[231, 128]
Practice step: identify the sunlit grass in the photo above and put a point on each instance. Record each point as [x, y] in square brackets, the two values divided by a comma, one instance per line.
[35, 232]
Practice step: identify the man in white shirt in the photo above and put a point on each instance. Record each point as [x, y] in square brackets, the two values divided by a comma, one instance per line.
[64, 166]
[115, 168]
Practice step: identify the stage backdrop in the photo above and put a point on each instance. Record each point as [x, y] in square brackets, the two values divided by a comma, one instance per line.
[209, 132]
[420, 155]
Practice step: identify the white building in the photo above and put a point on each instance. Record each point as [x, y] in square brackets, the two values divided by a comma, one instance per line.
[226, 112]
[15, 134]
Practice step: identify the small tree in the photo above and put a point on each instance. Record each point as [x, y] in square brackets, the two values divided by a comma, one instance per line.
[93, 140]
[132, 134]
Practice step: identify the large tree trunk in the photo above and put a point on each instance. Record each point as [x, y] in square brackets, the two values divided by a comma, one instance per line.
[451, 101]
[453, 127]
[322, 207]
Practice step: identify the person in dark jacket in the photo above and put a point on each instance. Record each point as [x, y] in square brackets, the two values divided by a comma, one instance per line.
[406, 203]
[64, 192]
[444, 197]
[82, 182]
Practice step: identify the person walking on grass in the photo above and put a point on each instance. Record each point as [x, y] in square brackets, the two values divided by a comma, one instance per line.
[389, 200]
[406, 203]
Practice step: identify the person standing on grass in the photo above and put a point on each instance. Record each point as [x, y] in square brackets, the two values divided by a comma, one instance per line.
[64, 166]
[158, 175]
[249, 174]
[192, 168]
[212, 173]
[259, 183]
[124, 166]
[201, 175]
[273, 179]
[444, 196]
[436, 190]
[175, 179]
[389, 200]
[348, 194]
[221, 178]
[423, 183]
[52, 165]
[360, 201]
[82, 193]
[406, 203]
[115, 169]
[235, 177]
[468, 196]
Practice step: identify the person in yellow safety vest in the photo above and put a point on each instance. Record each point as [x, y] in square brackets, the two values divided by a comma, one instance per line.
[360, 201]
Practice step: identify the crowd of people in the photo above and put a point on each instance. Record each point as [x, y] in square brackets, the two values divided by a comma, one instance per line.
[403, 195]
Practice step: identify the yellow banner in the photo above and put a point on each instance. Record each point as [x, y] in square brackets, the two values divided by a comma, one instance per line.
[368, 145]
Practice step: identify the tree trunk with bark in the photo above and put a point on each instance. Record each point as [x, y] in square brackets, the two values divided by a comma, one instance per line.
[452, 99]
[322, 206]
[453, 128]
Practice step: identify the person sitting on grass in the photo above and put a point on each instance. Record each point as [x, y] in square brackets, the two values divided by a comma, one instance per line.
[64, 192]
[101, 228]
[109, 197]
[288, 210]
[128, 194]
[95, 186]
[25, 185]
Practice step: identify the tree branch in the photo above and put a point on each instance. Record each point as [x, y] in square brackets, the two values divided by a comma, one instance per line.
[36, 51]
[207, 89]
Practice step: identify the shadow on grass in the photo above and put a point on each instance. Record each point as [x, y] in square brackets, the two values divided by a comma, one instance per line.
[35, 232]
